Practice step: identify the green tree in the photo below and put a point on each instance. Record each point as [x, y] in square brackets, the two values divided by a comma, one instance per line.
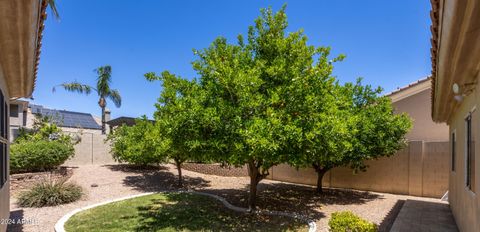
[137, 144]
[354, 125]
[103, 90]
[245, 84]
[181, 119]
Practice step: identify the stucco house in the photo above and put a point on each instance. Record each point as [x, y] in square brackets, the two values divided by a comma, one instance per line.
[455, 54]
[91, 148]
[21, 26]
[17, 117]
[23, 115]
[414, 99]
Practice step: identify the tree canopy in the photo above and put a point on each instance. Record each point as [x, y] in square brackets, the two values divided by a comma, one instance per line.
[269, 99]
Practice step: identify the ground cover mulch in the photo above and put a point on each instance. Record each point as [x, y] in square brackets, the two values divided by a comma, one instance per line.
[23, 181]
[216, 169]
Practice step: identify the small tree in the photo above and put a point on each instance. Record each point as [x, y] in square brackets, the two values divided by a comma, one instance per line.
[356, 124]
[137, 144]
[182, 122]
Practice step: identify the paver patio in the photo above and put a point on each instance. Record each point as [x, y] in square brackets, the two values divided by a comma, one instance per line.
[116, 181]
[425, 216]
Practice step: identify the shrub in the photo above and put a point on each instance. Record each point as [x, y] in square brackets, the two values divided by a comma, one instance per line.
[137, 144]
[38, 155]
[50, 193]
[348, 222]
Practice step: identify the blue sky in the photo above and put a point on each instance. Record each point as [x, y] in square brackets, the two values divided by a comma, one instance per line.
[386, 43]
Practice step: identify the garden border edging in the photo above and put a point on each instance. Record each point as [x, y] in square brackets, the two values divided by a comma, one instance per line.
[60, 225]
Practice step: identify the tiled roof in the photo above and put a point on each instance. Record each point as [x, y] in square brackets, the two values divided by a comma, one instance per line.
[129, 121]
[41, 26]
[434, 16]
[66, 118]
[408, 86]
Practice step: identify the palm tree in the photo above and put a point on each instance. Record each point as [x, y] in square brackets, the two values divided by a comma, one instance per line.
[53, 7]
[103, 90]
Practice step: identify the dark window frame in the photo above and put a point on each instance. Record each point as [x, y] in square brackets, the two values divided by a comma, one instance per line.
[469, 152]
[14, 113]
[453, 150]
[4, 115]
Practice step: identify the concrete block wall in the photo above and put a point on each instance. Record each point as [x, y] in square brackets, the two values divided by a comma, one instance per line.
[92, 149]
[421, 169]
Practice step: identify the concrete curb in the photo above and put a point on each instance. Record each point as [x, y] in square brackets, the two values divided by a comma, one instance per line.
[60, 225]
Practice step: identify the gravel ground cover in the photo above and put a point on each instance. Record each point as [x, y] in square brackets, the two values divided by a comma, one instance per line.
[115, 181]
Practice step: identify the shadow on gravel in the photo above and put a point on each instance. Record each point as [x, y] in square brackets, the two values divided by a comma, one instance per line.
[389, 219]
[135, 168]
[294, 198]
[156, 178]
[276, 196]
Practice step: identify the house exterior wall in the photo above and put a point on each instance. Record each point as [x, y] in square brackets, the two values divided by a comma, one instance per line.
[421, 169]
[17, 122]
[5, 190]
[418, 108]
[464, 203]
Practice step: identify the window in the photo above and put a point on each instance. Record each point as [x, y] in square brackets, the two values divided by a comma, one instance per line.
[3, 140]
[14, 111]
[453, 141]
[470, 153]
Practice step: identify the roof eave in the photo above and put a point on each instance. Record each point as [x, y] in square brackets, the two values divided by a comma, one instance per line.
[21, 24]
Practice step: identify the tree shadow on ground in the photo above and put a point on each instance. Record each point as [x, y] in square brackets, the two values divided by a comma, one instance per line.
[389, 219]
[154, 179]
[192, 212]
[295, 198]
[278, 196]
[130, 168]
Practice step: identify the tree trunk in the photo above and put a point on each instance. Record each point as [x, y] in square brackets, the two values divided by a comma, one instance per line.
[102, 104]
[255, 178]
[320, 173]
[252, 197]
[179, 169]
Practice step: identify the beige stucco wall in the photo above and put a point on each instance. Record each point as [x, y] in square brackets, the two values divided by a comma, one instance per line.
[5, 190]
[465, 204]
[421, 169]
[418, 108]
[92, 149]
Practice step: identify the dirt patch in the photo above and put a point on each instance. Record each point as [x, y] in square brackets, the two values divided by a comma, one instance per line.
[216, 169]
[24, 181]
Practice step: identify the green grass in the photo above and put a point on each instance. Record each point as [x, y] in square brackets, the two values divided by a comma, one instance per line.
[175, 212]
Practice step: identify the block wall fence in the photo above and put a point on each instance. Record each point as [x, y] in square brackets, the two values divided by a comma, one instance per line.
[420, 169]
[92, 149]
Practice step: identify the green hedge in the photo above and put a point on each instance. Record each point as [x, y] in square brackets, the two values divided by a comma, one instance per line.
[348, 222]
[38, 155]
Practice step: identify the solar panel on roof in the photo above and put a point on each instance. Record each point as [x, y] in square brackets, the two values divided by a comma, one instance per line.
[67, 118]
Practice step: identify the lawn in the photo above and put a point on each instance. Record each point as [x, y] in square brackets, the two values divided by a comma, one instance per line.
[175, 212]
